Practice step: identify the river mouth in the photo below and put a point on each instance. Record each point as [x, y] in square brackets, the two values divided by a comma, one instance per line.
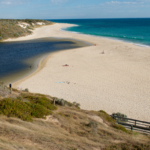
[21, 58]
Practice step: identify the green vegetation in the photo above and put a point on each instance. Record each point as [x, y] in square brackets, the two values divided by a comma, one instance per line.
[15, 108]
[120, 115]
[26, 90]
[63, 102]
[41, 100]
[111, 121]
[38, 107]
[9, 28]
[106, 117]
[25, 106]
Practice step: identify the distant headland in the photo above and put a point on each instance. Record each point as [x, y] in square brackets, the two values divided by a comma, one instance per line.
[14, 28]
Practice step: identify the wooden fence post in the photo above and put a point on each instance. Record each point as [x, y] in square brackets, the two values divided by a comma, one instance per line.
[132, 127]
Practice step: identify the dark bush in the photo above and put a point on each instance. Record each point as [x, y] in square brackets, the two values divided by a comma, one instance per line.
[123, 119]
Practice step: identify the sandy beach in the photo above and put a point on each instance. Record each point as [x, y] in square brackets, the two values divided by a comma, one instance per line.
[116, 81]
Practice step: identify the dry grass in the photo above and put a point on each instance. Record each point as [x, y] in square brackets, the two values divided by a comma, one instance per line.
[69, 128]
[71, 131]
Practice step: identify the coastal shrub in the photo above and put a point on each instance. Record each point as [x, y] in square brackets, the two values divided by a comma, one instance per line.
[93, 125]
[102, 111]
[60, 102]
[46, 103]
[123, 119]
[26, 106]
[9, 27]
[63, 102]
[28, 21]
[111, 121]
[29, 28]
[106, 117]
[15, 108]
[26, 90]
[42, 100]
[39, 111]
[76, 104]
[16, 34]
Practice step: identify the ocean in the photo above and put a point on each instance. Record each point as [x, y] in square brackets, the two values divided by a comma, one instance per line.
[130, 30]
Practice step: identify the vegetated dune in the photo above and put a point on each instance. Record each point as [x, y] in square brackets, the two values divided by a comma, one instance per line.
[10, 28]
[66, 127]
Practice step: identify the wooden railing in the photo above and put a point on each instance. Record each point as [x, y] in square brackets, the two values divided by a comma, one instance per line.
[133, 124]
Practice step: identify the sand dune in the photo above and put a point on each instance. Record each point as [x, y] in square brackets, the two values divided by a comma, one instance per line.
[116, 81]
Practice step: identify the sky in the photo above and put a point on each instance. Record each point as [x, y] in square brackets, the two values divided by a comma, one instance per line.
[73, 9]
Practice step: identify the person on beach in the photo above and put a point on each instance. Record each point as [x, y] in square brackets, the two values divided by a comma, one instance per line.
[10, 85]
[103, 52]
[66, 65]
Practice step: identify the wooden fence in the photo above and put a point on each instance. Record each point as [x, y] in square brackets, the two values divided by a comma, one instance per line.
[133, 124]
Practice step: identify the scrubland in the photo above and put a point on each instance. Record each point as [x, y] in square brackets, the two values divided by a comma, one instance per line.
[10, 28]
[31, 121]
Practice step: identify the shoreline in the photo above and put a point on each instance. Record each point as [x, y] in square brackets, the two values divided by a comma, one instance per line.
[41, 64]
[37, 58]
[105, 37]
[117, 81]
[43, 61]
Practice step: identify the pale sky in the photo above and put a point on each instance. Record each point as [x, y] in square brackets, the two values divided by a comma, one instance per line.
[73, 9]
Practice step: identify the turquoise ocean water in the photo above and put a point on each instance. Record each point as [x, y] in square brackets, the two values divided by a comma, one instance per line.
[130, 30]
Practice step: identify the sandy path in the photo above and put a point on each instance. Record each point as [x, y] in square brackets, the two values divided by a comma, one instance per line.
[117, 81]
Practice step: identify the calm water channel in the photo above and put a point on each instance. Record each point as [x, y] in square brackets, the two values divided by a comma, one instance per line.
[17, 57]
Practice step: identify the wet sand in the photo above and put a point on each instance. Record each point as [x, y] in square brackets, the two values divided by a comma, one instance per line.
[116, 81]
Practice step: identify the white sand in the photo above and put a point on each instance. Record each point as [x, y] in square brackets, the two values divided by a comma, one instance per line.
[40, 23]
[23, 24]
[117, 81]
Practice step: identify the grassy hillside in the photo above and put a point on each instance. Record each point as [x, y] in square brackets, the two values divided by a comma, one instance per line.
[31, 122]
[10, 28]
